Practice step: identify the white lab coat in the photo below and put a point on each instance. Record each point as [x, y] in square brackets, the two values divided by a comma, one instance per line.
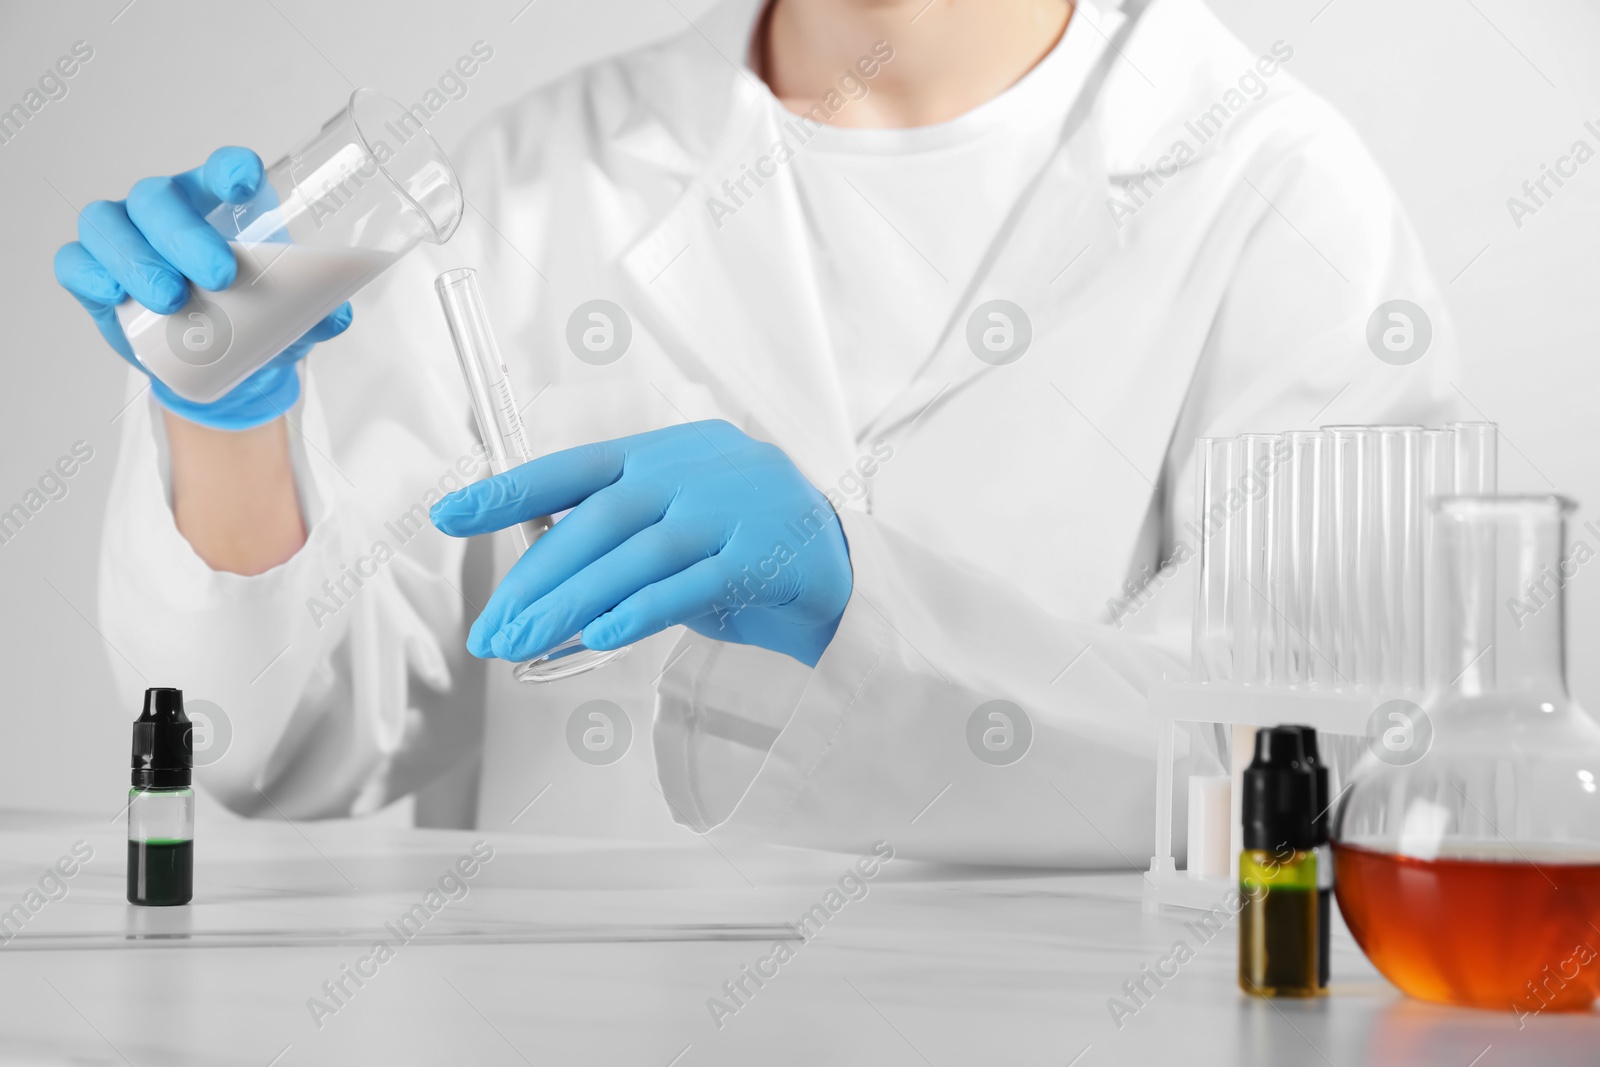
[988, 549]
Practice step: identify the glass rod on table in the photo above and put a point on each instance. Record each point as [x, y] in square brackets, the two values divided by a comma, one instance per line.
[494, 406]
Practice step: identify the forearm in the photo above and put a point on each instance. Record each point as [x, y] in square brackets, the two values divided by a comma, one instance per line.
[319, 687]
[234, 497]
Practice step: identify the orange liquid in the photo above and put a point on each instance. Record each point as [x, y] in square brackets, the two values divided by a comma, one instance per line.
[1510, 936]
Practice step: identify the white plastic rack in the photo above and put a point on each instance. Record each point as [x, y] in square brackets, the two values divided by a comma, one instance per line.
[1328, 711]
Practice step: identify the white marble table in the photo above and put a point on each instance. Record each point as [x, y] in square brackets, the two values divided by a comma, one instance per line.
[565, 951]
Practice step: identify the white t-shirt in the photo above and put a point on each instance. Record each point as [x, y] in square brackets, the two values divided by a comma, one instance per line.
[899, 219]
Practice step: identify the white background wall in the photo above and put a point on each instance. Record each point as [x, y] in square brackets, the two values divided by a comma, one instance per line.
[1461, 101]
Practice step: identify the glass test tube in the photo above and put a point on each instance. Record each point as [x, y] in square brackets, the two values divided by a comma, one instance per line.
[1477, 454]
[1438, 475]
[1438, 480]
[1351, 463]
[1254, 655]
[1398, 513]
[494, 407]
[1217, 466]
[1305, 621]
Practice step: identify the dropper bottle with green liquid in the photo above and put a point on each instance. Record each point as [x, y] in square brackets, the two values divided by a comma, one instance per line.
[161, 803]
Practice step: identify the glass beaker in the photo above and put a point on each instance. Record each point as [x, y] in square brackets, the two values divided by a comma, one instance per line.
[329, 218]
[1468, 869]
[499, 419]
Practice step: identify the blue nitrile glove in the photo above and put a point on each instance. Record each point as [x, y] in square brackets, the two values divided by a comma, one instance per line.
[156, 242]
[695, 524]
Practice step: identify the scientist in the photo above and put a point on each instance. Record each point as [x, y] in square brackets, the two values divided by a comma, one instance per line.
[976, 275]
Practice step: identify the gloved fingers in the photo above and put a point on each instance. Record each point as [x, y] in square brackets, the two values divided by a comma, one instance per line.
[108, 235]
[543, 486]
[590, 531]
[81, 274]
[562, 480]
[230, 175]
[92, 285]
[162, 211]
[652, 555]
[693, 593]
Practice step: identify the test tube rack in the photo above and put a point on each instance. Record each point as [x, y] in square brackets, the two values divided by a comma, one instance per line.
[1327, 710]
[1311, 600]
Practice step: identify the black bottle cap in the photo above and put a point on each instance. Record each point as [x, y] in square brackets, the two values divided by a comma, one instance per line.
[1321, 802]
[1279, 792]
[163, 745]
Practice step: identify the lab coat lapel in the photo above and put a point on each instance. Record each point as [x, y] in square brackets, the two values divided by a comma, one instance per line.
[1060, 260]
[1109, 407]
[728, 281]
[1046, 252]
[1048, 259]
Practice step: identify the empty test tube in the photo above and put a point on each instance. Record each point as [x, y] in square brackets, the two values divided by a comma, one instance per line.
[1305, 619]
[1437, 475]
[1477, 454]
[1438, 480]
[1398, 593]
[1217, 473]
[1254, 628]
[1352, 468]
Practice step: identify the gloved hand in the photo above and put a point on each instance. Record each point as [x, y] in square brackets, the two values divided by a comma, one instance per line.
[695, 524]
[151, 247]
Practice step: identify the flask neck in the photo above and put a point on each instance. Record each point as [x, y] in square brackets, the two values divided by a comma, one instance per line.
[1498, 611]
